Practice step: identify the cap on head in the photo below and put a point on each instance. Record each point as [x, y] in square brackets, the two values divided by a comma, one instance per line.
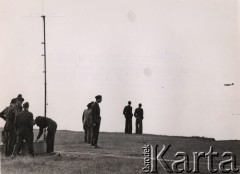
[129, 102]
[13, 101]
[98, 97]
[20, 98]
[26, 105]
[90, 104]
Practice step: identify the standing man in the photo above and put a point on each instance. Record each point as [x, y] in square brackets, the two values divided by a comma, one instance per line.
[20, 100]
[24, 129]
[9, 128]
[86, 119]
[18, 106]
[139, 117]
[96, 120]
[44, 122]
[127, 112]
[18, 109]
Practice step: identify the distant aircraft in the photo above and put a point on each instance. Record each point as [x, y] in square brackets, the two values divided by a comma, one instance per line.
[228, 84]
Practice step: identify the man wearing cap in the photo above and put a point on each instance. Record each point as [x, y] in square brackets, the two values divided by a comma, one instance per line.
[24, 129]
[139, 117]
[96, 120]
[3, 116]
[20, 100]
[44, 122]
[86, 119]
[127, 112]
[9, 128]
[18, 106]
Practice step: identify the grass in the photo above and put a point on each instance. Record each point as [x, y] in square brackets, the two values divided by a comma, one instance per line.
[120, 153]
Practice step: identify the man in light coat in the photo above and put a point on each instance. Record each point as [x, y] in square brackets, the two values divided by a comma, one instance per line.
[86, 119]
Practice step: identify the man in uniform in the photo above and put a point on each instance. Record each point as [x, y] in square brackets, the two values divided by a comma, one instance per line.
[139, 117]
[18, 106]
[9, 127]
[86, 119]
[19, 103]
[96, 121]
[127, 112]
[24, 129]
[18, 109]
[44, 122]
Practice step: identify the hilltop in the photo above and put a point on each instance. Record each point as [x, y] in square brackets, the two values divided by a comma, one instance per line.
[119, 153]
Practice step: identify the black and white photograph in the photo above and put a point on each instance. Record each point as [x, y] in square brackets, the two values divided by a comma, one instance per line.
[124, 86]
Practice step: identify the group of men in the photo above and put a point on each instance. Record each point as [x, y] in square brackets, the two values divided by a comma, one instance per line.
[19, 125]
[19, 128]
[127, 112]
[91, 122]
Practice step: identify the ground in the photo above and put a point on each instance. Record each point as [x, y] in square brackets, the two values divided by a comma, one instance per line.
[119, 153]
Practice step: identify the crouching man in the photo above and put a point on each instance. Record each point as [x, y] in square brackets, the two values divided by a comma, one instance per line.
[42, 123]
[24, 129]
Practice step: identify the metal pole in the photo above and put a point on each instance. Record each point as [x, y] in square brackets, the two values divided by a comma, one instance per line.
[45, 71]
[45, 68]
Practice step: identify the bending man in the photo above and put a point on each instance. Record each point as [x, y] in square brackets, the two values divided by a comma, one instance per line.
[43, 122]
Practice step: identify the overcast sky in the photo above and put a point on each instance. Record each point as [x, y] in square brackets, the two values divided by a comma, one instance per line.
[173, 56]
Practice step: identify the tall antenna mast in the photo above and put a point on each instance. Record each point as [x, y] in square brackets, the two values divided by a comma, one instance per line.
[45, 72]
[45, 67]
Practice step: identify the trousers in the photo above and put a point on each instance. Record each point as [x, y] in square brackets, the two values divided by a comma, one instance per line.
[29, 140]
[95, 133]
[139, 126]
[51, 138]
[128, 125]
[10, 140]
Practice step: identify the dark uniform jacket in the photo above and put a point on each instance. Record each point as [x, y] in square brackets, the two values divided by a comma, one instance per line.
[128, 111]
[48, 123]
[138, 113]
[19, 108]
[96, 118]
[10, 113]
[24, 122]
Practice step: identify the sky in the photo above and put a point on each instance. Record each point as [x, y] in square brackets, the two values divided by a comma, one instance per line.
[173, 56]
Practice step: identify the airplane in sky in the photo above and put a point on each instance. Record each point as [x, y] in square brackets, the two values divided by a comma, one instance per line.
[228, 84]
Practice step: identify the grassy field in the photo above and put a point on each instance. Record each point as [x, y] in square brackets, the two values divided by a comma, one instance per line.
[119, 153]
